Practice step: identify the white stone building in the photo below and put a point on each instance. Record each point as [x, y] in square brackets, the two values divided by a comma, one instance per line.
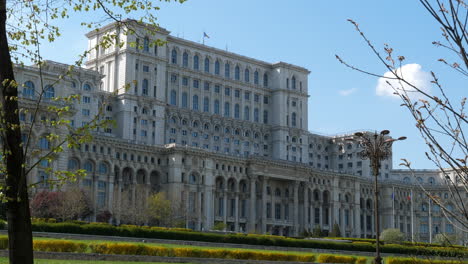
[225, 135]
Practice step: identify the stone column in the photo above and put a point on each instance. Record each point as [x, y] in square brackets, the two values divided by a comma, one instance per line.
[357, 221]
[119, 201]
[296, 208]
[253, 201]
[199, 211]
[236, 213]
[225, 198]
[306, 208]
[264, 202]
[209, 208]
[365, 224]
[110, 195]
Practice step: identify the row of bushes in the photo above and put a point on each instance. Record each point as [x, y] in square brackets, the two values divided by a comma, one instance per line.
[138, 249]
[151, 232]
[329, 258]
[395, 260]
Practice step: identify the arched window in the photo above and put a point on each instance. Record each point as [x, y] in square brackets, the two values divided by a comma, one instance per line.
[265, 117]
[173, 97]
[406, 179]
[174, 56]
[185, 59]
[195, 124]
[256, 77]
[207, 65]
[28, 89]
[88, 166]
[265, 80]
[216, 107]
[277, 192]
[247, 75]
[431, 181]
[195, 102]
[146, 44]
[226, 109]
[72, 164]
[145, 87]
[49, 92]
[217, 67]
[227, 70]
[195, 63]
[246, 113]
[256, 115]
[184, 100]
[103, 168]
[420, 180]
[206, 104]
[293, 82]
[87, 87]
[293, 119]
[44, 143]
[237, 111]
[193, 178]
[237, 73]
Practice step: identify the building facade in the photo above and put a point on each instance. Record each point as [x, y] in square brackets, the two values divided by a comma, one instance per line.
[223, 134]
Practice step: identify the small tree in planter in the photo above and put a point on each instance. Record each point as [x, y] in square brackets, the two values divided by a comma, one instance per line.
[392, 236]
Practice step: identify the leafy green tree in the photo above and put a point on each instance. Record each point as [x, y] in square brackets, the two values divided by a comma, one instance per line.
[445, 239]
[336, 232]
[160, 209]
[317, 231]
[25, 25]
[392, 236]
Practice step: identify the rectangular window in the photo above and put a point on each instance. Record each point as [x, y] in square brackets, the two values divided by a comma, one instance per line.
[217, 88]
[227, 91]
[85, 112]
[184, 81]
[277, 211]
[256, 98]
[86, 99]
[247, 96]
[196, 83]
[268, 210]
[206, 86]
[237, 93]
[265, 99]
[145, 68]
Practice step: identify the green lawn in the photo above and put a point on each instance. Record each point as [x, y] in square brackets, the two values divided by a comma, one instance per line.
[61, 261]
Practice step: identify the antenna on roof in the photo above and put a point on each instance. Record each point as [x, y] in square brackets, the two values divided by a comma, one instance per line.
[226, 47]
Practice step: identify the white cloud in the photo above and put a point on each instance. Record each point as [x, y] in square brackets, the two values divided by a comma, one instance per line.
[347, 92]
[412, 73]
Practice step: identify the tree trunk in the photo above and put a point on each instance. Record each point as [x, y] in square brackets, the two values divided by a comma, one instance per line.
[18, 215]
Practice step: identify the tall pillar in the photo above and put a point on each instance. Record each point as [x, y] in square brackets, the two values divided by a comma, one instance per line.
[110, 195]
[209, 208]
[199, 211]
[225, 198]
[365, 224]
[264, 202]
[236, 213]
[119, 202]
[253, 201]
[296, 208]
[306, 208]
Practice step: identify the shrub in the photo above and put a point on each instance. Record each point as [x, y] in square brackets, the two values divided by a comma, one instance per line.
[396, 260]
[219, 226]
[3, 224]
[336, 232]
[59, 246]
[249, 239]
[3, 242]
[317, 231]
[361, 260]
[445, 239]
[392, 235]
[328, 258]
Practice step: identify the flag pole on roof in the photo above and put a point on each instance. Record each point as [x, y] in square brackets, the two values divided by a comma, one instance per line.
[205, 36]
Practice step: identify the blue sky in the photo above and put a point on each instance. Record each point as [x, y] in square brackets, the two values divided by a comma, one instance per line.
[309, 33]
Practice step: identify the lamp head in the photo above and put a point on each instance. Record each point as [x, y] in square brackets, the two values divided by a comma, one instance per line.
[401, 138]
[358, 134]
[384, 132]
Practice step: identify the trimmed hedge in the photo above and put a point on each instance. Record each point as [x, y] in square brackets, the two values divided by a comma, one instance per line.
[59, 246]
[395, 260]
[328, 258]
[138, 249]
[250, 239]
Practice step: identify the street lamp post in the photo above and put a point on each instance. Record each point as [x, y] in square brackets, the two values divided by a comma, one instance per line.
[376, 147]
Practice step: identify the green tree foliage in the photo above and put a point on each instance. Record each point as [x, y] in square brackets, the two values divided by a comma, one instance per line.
[317, 231]
[336, 232]
[392, 236]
